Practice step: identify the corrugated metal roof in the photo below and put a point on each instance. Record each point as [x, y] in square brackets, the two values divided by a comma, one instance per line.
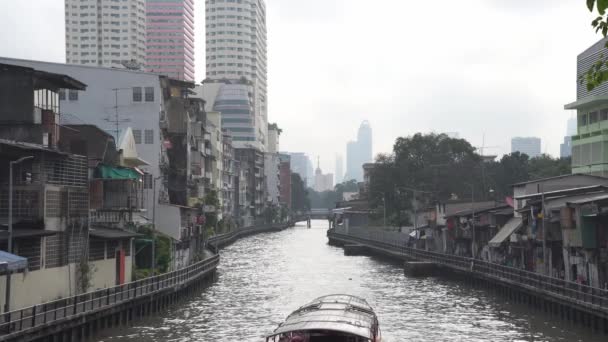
[589, 199]
[11, 261]
[339, 313]
[506, 231]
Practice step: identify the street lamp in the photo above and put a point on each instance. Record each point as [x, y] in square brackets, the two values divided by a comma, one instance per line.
[154, 224]
[10, 226]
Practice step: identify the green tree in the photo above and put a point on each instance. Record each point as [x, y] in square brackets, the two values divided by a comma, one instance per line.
[299, 195]
[211, 218]
[597, 73]
[348, 186]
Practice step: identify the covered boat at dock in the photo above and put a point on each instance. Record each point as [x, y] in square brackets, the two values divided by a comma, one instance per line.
[333, 318]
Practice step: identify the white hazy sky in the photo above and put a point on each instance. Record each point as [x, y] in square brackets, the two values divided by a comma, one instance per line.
[498, 68]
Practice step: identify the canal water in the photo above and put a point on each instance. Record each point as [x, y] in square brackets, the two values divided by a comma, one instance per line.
[263, 278]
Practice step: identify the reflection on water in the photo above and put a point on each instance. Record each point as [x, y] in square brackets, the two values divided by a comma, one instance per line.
[265, 277]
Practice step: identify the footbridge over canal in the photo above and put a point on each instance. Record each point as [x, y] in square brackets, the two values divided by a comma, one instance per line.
[313, 214]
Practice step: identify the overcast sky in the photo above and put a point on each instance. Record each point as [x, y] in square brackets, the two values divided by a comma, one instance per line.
[501, 68]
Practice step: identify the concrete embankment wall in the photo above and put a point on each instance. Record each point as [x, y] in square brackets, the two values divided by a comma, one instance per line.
[79, 317]
[572, 302]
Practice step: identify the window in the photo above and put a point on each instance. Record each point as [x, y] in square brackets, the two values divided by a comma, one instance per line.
[582, 120]
[61, 94]
[604, 114]
[148, 181]
[593, 117]
[136, 94]
[73, 95]
[137, 136]
[149, 94]
[149, 136]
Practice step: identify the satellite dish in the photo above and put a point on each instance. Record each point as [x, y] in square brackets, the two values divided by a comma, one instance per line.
[131, 65]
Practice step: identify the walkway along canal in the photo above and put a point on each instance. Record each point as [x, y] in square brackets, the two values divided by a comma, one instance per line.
[82, 316]
[577, 303]
[262, 278]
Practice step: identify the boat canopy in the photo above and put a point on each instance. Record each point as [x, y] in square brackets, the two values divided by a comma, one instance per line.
[338, 313]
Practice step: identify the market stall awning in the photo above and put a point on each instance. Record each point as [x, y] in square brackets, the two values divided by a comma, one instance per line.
[12, 262]
[117, 173]
[505, 232]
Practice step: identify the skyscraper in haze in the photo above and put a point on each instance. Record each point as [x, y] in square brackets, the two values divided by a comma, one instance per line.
[526, 145]
[339, 169]
[236, 50]
[105, 33]
[170, 38]
[358, 153]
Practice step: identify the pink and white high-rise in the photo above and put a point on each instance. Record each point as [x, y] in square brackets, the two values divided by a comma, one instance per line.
[170, 38]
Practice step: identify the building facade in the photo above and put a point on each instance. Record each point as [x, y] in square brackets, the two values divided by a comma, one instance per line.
[526, 145]
[301, 164]
[168, 132]
[236, 50]
[170, 38]
[589, 144]
[105, 33]
[358, 153]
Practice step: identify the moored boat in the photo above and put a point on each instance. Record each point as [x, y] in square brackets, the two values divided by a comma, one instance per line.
[333, 318]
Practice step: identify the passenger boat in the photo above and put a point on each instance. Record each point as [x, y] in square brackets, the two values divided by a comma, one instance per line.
[333, 318]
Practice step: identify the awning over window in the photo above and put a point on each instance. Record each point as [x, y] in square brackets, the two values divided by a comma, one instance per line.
[11, 262]
[506, 231]
[111, 233]
[118, 173]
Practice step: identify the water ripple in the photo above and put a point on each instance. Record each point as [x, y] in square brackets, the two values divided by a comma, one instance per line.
[265, 277]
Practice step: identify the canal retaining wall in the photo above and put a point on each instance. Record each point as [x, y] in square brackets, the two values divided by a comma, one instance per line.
[82, 316]
[571, 301]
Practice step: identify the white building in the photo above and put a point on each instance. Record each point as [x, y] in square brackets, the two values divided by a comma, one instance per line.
[526, 145]
[116, 99]
[272, 163]
[236, 50]
[105, 32]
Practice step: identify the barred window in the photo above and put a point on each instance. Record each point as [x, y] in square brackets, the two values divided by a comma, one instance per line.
[111, 248]
[73, 95]
[55, 247]
[97, 250]
[149, 137]
[136, 94]
[137, 136]
[30, 249]
[148, 181]
[149, 94]
[62, 94]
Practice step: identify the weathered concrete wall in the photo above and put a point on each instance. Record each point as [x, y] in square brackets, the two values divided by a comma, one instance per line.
[41, 286]
[104, 275]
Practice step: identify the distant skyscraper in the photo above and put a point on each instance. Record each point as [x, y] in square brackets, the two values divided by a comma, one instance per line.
[170, 38]
[236, 50]
[105, 32]
[358, 153]
[301, 164]
[565, 148]
[339, 169]
[527, 145]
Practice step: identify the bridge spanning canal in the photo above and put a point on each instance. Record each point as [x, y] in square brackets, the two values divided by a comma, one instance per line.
[262, 278]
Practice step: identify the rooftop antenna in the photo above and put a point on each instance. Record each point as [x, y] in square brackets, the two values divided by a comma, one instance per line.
[116, 120]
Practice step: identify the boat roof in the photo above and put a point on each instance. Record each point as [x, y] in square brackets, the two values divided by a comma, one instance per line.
[340, 313]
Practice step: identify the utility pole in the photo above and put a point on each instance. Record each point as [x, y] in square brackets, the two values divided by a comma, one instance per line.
[154, 224]
[384, 205]
[10, 228]
[545, 262]
[474, 248]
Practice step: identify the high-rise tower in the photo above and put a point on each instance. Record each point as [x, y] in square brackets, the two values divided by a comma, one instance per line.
[105, 33]
[359, 152]
[170, 38]
[236, 50]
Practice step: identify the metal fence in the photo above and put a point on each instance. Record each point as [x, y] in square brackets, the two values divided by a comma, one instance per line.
[79, 305]
[566, 290]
